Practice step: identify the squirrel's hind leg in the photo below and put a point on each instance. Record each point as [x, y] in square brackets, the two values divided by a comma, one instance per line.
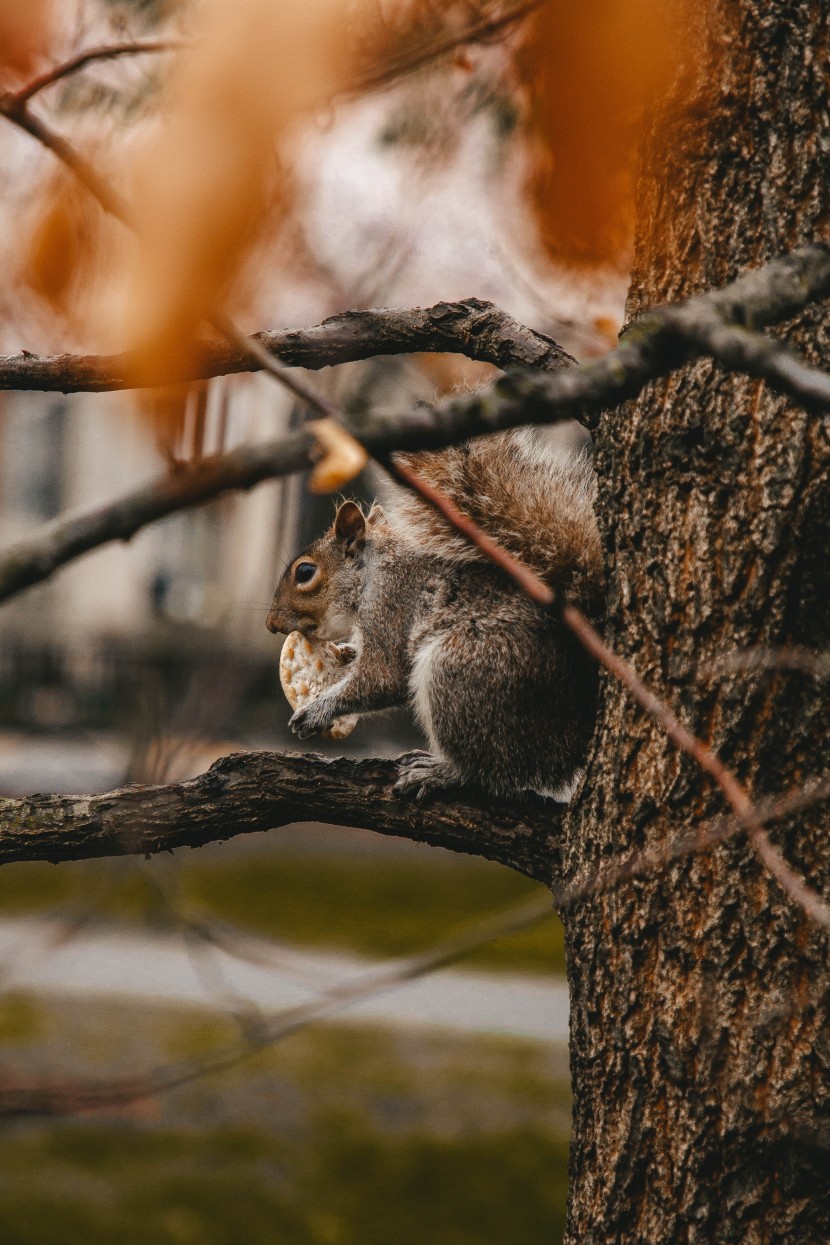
[422, 773]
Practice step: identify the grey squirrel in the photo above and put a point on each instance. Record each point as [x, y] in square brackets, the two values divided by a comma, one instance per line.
[503, 691]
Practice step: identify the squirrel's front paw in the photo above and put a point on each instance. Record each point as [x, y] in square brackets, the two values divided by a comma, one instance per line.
[343, 653]
[420, 774]
[311, 720]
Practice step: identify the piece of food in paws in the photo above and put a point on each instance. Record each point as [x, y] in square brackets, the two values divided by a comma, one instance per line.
[307, 669]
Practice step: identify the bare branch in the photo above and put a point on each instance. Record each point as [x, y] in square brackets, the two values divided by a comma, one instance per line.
[478, 329]
[768, 660]
[734, 792]
[259, 791]
[659, 343]
[774, 292]
[703, 326]
[260, 358]
[67, 1097]
[666, 338]
[484, 30]
[472, 327]
[654, 346]
[70, 1096]
[720, 323]
[107, 51]
[78, 165]
[35, 558]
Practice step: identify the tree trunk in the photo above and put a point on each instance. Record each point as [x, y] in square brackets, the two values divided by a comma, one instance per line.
[700, 1033]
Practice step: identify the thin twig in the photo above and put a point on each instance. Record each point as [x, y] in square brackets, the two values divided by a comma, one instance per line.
[485, 29]
[766, 660]
[651, 860]
[107, 51]
[257, 353]
[77, 164]
[63, 1099]
[736, 795]
[528, 580]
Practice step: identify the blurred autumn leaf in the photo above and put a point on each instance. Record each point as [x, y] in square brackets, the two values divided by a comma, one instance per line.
[342, 458]
[26, 28]
[202, 180]
[592, 70]
[63, 245]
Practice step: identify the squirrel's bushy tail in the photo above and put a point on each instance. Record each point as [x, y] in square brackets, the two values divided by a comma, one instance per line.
[535, 501]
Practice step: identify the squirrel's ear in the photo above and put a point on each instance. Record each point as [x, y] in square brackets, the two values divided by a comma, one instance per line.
[376, 516]
[350, 526]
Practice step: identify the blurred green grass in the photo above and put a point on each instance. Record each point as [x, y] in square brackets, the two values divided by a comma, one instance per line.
[350, 1186]
[375, 905]
[338, 1136]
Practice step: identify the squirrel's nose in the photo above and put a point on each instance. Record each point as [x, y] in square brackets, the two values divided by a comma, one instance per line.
[272, 622]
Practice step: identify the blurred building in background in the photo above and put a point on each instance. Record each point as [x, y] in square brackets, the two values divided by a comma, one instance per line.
[182, 591]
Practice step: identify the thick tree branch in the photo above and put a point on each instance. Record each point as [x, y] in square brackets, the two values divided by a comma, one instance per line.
[252, 792]
[721, 323]
[651, 347]
[472, 327]
[262, 791]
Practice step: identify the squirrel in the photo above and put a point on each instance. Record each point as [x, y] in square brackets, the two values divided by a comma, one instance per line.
[504, 692]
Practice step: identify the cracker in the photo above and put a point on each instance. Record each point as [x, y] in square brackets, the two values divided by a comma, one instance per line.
[308, 668]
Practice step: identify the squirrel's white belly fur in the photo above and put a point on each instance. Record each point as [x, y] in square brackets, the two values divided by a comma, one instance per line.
[422, 695]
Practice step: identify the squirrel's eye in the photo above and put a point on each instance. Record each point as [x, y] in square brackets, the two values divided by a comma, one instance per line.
[304, 572]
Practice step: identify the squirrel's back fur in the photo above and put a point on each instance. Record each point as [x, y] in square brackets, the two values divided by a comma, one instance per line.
[537, 502]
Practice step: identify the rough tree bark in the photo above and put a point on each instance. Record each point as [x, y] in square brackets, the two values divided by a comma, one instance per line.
[251, 792]
[699, 1032]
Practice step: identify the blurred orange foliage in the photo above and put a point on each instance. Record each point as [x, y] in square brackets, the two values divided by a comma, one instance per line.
[202, 179]
[26, 28]
[60, 252]
[592, 70]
